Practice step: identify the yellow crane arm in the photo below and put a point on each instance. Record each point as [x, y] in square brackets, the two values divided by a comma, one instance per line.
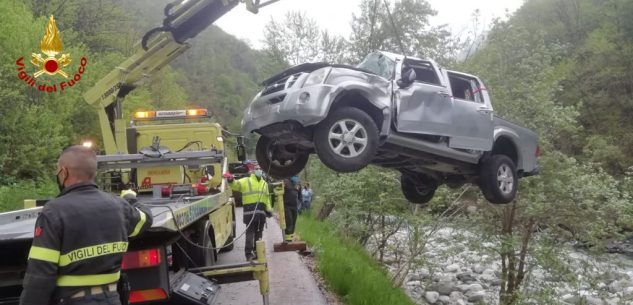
[160, 46]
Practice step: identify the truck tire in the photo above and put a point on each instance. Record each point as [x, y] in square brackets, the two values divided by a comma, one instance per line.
[416, 192]
[230, 242]
[498, 179]
[267, 154]
[204, 255]
[347, 140]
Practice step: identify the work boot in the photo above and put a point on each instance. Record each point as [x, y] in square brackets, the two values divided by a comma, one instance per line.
[250, 256]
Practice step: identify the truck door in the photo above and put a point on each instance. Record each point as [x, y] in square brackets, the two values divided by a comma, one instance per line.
[472, 113]
[424, 106]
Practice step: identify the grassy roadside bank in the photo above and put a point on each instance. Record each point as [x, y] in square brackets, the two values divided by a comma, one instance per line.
[347, 268]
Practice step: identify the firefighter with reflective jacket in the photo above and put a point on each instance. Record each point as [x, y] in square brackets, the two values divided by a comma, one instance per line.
[80, 238]
[256, 206]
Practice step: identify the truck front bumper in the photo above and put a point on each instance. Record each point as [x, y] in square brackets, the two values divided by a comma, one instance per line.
[307, 106]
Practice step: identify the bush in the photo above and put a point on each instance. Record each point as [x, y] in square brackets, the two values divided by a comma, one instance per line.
[12, 195]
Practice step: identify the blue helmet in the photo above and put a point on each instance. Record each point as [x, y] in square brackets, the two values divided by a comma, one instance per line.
[294, 179]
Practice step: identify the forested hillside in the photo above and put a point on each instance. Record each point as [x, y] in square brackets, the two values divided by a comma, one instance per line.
[564, 68]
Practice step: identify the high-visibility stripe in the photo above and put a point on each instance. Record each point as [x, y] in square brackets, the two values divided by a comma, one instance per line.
[254, 212]
[44, 254]
[140, 224]
[92, 251]
[88, 280]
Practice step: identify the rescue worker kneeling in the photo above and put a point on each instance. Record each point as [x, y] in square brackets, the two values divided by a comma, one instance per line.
[80, 238]
[256, 207]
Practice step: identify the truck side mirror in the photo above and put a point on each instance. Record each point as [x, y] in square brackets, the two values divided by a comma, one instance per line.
[240, 149]
[407, 78]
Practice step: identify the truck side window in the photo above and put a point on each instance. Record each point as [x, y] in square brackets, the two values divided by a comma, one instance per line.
[425, 73]
[465, 88]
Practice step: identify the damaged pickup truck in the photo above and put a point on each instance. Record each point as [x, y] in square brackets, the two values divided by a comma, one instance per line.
[433, 125]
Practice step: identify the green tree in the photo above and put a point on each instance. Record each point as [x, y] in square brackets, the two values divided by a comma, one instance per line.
[298, 39]
[373, 29]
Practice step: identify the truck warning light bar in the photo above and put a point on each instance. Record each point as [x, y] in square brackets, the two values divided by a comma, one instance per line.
[171, 114]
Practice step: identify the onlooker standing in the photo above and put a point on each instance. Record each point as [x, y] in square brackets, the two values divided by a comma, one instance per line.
[291, 206]
[306, 194]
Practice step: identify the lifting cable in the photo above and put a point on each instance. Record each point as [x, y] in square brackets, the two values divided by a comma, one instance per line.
[395, 30]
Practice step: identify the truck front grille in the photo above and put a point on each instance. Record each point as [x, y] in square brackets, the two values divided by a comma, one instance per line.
[281, 84]
[276, 87]
[277, 99]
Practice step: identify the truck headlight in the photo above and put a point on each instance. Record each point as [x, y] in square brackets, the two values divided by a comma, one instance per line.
[317, 77]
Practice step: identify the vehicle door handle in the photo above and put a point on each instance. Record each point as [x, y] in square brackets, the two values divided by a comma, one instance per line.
[484, 110]
[443, 94]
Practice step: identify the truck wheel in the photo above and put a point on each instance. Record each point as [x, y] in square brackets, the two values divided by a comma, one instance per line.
[280, 161]
[229, 244]
[205, 255]
[498, 179]
[415, 191]
[346, 141]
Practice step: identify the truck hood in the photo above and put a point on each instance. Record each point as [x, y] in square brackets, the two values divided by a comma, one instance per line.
[307, 68]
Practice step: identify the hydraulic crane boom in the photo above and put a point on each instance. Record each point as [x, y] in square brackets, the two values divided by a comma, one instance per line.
[160, 46]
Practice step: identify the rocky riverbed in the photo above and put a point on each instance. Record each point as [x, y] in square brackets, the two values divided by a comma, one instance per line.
[457, 268]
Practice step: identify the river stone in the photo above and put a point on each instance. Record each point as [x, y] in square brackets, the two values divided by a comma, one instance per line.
[591, 300]
[444, 299]
[571, 298]
[476, 296]
[463, 288]
[456, 295]
[475, 287]
[424, 273]
[478, 268]
[443, 287]
[490, 277]
[431, 297]
[457, 302]
[466, 277]
[452, 268]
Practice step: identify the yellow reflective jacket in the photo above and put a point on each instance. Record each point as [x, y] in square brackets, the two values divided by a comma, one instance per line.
[253, 191]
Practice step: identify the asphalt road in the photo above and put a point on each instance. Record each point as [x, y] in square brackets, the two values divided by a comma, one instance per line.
[290, 280]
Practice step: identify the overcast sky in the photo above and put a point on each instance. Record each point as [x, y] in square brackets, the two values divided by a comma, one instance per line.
[336, 15]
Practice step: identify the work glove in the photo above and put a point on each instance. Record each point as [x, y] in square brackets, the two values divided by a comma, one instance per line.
[228, 176]
[269, 214]
[129, 196]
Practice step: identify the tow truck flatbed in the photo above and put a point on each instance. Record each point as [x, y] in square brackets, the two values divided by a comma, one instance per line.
[19, 225]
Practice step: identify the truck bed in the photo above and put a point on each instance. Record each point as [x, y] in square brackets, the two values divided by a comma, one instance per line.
[19, 225]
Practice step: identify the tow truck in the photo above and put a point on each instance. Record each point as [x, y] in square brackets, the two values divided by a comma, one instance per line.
[175, 169]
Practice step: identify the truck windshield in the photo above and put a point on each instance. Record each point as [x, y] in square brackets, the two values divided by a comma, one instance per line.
[378, 64]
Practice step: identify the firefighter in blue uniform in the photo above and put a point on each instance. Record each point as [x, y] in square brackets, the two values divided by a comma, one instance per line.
[80, 238]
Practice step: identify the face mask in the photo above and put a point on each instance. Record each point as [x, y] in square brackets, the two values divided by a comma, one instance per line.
[60, 183]
[258, 173]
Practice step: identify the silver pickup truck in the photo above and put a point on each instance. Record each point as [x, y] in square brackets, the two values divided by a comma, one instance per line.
[433, 125]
